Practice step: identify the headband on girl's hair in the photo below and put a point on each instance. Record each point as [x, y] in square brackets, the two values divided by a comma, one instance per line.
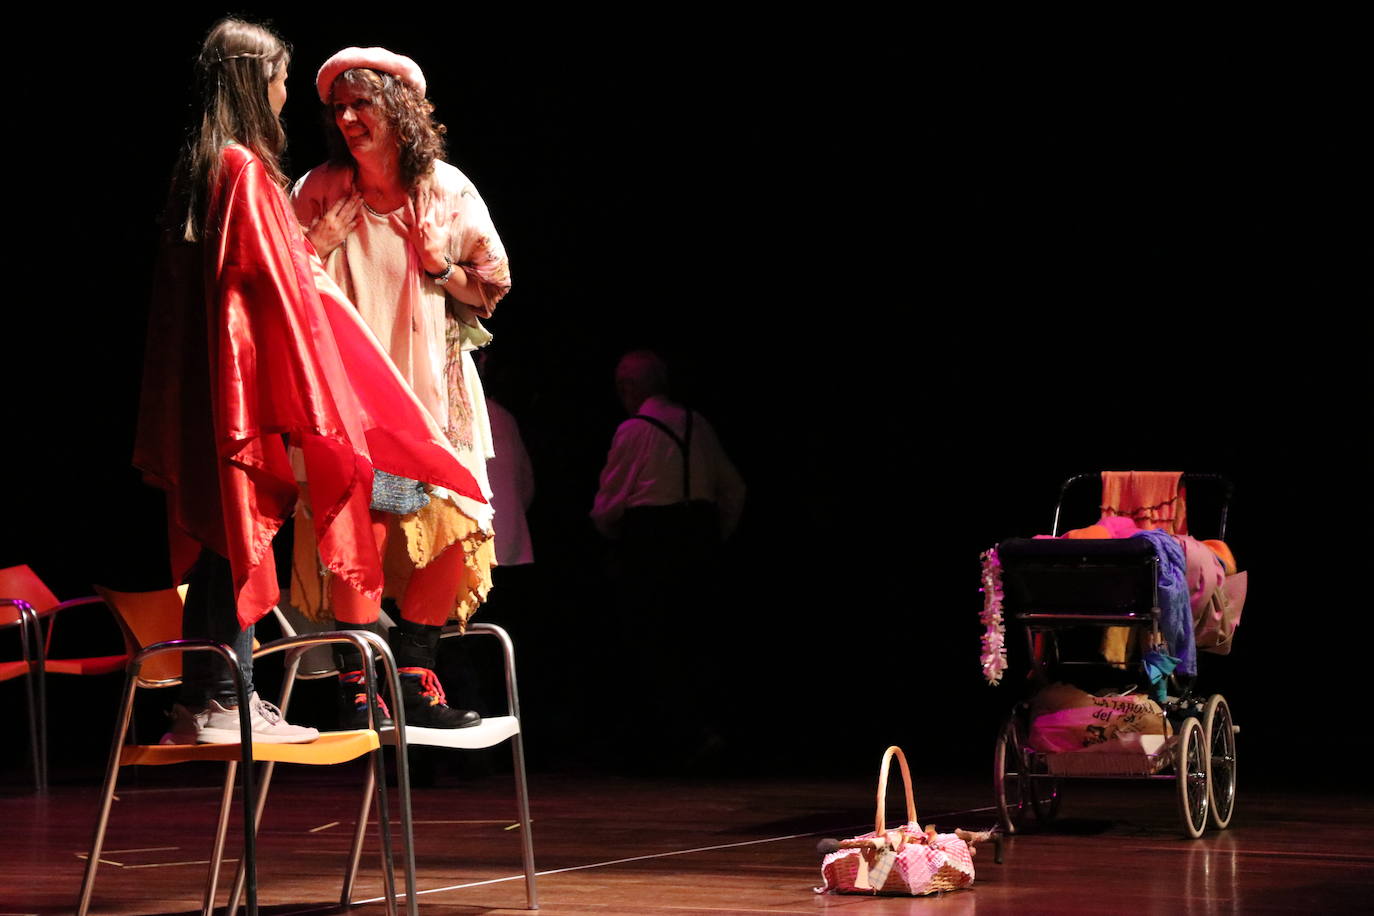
[403, 68]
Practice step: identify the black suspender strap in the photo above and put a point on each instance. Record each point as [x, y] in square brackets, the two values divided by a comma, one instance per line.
[684, 444]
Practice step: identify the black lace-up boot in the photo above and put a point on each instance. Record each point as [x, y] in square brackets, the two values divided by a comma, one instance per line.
[352, 691]
[415, 646]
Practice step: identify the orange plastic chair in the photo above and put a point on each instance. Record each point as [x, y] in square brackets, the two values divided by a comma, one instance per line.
[26, 602]
[155, 616]
[15, 612]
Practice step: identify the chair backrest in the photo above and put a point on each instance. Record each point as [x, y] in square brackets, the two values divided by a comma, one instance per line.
[319, 661]
[23, 583]
[1205, 506]
[149, 617]
[1056, 576]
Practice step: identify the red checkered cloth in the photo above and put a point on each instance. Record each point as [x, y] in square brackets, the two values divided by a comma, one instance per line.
[910, 863]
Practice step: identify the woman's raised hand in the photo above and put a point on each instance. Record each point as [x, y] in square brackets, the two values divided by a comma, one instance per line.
[430, 221]
[330, 229]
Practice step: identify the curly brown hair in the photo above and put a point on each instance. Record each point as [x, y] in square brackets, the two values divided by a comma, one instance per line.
[419, 138]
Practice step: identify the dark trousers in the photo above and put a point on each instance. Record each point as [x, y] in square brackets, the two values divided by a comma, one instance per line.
[666, 572]
[211, 613]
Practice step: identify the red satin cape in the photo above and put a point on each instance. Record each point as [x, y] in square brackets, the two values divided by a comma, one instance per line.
[245, 354]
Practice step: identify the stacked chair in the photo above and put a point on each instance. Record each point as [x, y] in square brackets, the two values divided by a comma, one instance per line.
[26, 603]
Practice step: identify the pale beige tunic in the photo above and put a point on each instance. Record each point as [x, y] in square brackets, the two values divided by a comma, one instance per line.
[429, 336]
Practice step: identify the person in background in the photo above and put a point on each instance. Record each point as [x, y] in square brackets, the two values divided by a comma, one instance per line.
[666, 476]
[668, 498]
[512, 488]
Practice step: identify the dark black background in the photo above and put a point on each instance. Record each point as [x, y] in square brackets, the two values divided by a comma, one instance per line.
[914, 276]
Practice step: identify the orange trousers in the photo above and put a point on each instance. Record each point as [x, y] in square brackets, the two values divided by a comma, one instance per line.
[428, 597]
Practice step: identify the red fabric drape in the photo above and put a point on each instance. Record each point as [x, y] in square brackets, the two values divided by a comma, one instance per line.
[244, 353]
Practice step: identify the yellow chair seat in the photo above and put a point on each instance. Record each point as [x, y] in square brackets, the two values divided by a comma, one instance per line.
[329, 748]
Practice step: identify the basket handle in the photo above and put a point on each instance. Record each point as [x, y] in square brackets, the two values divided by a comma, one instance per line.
[880, 821]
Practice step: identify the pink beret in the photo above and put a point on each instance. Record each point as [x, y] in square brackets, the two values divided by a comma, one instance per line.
[381, 59]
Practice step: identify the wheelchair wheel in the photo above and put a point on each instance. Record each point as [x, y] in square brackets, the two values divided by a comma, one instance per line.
[1190, 766]
[1008, 774]
[1221, 760]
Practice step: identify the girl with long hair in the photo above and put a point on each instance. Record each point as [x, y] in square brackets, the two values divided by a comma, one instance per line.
[247, 407]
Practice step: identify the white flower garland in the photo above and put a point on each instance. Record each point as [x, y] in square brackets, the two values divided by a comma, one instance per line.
[994, 655]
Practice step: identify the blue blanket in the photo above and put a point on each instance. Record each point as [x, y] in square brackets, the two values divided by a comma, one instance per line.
[1176, 613]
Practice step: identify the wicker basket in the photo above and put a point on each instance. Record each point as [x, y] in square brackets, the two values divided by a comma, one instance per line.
[905, 861]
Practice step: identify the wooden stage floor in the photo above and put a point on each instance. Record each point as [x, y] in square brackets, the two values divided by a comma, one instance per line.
[622, 846]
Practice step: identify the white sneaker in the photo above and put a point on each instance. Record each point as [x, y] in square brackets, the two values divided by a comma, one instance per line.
[219, 725]
[186, 726]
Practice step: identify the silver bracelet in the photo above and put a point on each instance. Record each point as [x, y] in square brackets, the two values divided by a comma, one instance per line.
[442, 278]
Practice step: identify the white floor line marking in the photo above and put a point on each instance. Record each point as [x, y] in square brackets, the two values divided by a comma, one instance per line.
[652, 855]
[323, 827]
[102, 861]
[732, 910]
[1295, 854]
[166, 789]
[187, 862]
[501, 820]
[115, 852]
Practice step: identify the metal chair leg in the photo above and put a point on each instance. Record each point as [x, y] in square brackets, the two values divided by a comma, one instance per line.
[250, 839]
[293, 663]
[368, 643]
[384, 829]
[226, 799]
[35, 742]
[522, 798]
[248, 863]
[42, 705]
[375, 784]
[106, 798]
[264, 783]
[379, 645]
[30, 629]
[355, 853]
[37, 731]
[522, 795]
[376, 776]
[403, 788]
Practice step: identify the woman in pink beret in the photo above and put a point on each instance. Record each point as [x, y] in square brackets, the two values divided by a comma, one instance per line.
[409, 240]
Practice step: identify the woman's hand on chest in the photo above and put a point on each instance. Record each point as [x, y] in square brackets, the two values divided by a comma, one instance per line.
[429, 224]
